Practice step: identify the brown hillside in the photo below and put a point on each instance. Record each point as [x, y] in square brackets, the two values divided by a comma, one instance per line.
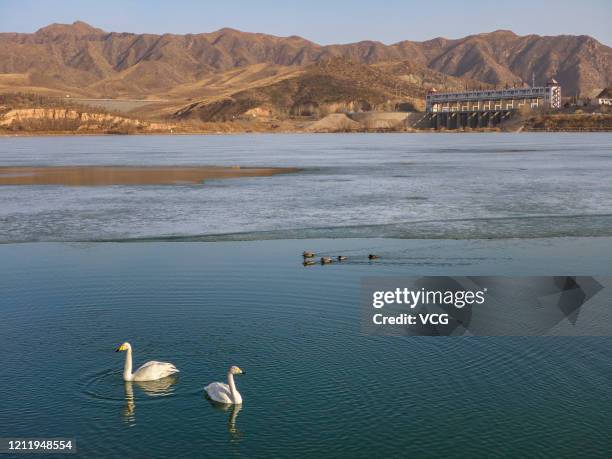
[580, 63]
[325, 87]
[82, 59]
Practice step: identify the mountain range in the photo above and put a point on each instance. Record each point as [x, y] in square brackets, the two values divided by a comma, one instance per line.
[211, 70]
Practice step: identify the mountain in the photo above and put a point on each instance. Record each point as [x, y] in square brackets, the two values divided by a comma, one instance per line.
[87, 61]
[332, 85]
[580, 63]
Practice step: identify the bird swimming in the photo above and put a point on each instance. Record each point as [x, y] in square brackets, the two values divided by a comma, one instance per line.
[226, 393]
[149, 371]
[373, 257]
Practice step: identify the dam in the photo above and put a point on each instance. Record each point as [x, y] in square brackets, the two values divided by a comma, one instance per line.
[486, 108]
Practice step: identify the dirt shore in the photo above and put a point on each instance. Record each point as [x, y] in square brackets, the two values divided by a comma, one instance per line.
[128, 175]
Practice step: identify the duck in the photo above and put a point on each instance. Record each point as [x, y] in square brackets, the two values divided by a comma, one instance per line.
[373, 257]
[342, 258]
[226, 394]
[326, 260]
[308, 262]
[149, 371]
[307, 254]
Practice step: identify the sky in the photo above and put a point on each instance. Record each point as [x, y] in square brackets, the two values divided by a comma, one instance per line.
[322, 21]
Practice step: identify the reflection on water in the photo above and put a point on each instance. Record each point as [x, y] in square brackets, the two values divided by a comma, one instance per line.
[159, 388]
[231, 421]
[130, 406]
[234, 433]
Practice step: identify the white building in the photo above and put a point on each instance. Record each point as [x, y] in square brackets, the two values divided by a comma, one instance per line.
[605, 97]
[548, 96]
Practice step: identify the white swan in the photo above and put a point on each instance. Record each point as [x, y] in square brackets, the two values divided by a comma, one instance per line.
[149, 371]
[226, 393]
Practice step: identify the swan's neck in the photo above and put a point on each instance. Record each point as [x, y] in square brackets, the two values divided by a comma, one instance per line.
[127, 369]
[236, 397]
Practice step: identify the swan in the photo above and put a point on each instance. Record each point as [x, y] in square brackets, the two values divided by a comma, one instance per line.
[224, 393]
[149, 371]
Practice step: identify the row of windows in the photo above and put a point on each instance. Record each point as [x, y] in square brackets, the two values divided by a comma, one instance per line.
[486, 104]
[508, 93]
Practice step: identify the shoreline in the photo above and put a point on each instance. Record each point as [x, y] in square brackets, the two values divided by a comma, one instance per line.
[72, 122]
[197, 133]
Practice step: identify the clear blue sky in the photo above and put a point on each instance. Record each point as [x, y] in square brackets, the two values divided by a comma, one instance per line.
[322, 21]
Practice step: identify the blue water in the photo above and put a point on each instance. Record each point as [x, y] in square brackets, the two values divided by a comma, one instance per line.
[315, 387]
[364, 185]
[207, 276]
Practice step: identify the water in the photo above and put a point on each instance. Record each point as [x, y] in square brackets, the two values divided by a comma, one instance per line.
[371, 185]
[233, 291]
[314, 386]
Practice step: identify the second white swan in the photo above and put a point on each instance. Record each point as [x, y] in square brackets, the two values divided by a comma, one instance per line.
[226, 393]
[149, 371]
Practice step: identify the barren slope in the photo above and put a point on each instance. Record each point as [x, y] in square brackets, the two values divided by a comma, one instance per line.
[85, 60]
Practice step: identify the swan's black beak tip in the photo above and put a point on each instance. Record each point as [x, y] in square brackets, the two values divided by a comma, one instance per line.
[243, 373]
[117, 350]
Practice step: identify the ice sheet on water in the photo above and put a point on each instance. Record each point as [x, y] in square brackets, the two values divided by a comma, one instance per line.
[404, 186]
